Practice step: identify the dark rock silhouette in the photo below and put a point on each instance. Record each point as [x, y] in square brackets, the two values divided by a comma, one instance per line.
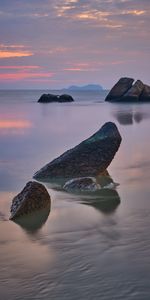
[32, 198]
[125, 91]
[49, 98]
[145, 95]
[134, 92]
[120, 88]
[90, 158]
[65, 98]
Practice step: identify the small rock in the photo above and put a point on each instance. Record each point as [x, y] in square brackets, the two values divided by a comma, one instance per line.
[49, 98]
[65, 98]
[82, 184]
[33, 197]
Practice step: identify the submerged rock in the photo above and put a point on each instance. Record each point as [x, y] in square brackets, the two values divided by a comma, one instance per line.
[87, 184]
[32, 198]
[48, 98]
[90, 158]
[82, 184]
[119, 89]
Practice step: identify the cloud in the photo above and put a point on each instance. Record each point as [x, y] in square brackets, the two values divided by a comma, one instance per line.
[10, 51]
[19, 67]
[24, 75]
[73, 40]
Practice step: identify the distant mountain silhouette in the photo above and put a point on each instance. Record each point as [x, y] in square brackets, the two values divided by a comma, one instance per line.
[88, 87]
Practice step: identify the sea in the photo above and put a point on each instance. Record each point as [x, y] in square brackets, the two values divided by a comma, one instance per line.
[78, 250]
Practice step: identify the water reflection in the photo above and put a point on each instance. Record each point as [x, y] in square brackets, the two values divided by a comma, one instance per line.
[35, 221]
[14, 126]
[129, 117]
[106, 200]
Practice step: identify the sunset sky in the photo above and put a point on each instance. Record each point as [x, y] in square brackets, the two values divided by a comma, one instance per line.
[57, 43]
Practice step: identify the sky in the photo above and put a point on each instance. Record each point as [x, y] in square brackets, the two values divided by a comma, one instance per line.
[51, 44]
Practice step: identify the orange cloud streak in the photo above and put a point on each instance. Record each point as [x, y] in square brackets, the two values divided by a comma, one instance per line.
[10, 54]
[19, 76]
[19, 67]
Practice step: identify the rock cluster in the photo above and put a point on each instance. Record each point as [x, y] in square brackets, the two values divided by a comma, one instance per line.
[125, 90]
[32, 198]
[88, 159]
[48, 98]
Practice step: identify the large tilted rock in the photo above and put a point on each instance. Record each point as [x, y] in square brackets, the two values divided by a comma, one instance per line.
[90, 158]
[124, 90]
[32, 198]
[48, 98]
[119, 89]
[134, 92]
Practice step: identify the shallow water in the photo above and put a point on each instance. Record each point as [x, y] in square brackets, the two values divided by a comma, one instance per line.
[77, 250]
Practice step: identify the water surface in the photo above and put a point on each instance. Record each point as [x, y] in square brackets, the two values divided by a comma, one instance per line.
[75, 251]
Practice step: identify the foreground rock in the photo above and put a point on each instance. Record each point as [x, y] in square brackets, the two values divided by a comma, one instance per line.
[48, 98]
[88, 159]
[125, 91]
[32, 198]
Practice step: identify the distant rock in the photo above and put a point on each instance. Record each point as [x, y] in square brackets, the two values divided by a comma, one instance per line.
[65, 98]
[125, 91]
[134, 92]
[32, 198]
[119, 89]
[90, 158]
[48, 98]
[88, 87]
[145, 95]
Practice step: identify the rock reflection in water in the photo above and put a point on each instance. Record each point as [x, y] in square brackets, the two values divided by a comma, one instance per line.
[35, 221]
[126, 117]
[106, 200]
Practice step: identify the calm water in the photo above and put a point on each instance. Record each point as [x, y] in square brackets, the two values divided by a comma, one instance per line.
[78, 251]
